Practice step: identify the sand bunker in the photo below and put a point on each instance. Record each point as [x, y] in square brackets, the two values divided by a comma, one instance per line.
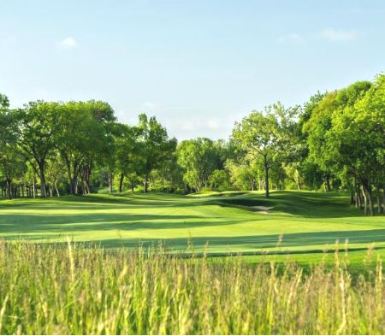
[262, 209]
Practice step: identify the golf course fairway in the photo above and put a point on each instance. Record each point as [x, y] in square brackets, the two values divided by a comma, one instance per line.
[301, 225]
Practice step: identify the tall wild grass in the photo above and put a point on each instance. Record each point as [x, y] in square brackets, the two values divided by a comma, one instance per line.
[77, 290]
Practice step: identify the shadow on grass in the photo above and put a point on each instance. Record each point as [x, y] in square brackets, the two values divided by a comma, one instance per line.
[302, 204]
[251, 242]
[106, 222]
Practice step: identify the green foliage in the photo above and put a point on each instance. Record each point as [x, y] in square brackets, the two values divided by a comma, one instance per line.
[268, 136]
[335, 141]
[156, 147]
[345, 137]
[243, 175]
[219, 180]
[199, 158]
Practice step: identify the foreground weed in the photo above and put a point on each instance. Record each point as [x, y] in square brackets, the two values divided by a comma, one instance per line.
[46, 289]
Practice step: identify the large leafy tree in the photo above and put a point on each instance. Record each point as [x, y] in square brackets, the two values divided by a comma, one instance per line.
[260, 136]
[127, 151]
[199, 158]
[156, 146]
[79, 139]
[12, 164]
[336, 140]
[103, 150]
[39, 126]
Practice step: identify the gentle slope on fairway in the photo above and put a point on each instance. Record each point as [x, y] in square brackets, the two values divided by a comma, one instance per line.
[289, 222]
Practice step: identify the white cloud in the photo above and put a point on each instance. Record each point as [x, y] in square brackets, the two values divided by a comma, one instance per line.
[199, 125]
[213, 124]
[292, 38]
[335, 35]
[68, 43]
[149, 106]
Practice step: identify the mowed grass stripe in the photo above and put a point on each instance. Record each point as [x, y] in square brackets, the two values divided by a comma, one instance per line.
[293, 222]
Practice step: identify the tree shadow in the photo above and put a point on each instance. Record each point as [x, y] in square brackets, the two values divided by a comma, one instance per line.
[290, 243]
[258, 242]
[105, 222]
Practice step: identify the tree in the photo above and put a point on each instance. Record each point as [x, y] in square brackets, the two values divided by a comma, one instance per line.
[199, 158]
[260, 136]
[4, 103]
[55, 175]
[12, 164]
[79, 138]
[338, 143]
[127, 151]
[243, 173]
[39, 125]
[155, 146]
[219, 180]
[104, 149]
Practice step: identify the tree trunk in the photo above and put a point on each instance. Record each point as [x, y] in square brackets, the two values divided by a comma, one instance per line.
[365, 201]
[327, 183]
[88, 177]
[34, 188]
[266, 167]
[367, 193]
[121, 180]
[383, 199]
[146, 183]
[370, 202]
[56, 189]
[352, 198]
[9, 189]
[74, 185]
[110, 182]
[43, 191]
[356, 199]
[379, 207]
[378, 196]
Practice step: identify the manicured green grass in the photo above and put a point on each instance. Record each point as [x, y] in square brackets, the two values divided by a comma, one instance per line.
[300, 225]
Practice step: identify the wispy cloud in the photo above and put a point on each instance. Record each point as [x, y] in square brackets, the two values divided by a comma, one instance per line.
[68, 43]
[195, 124]
[150, 106]
[334, 35]
[292, 38]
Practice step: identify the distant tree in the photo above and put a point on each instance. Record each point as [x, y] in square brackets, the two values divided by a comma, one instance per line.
[261, 136]
[155, 146]
[12, 165]
[39, 125]
[4, 103]
[55, 175]
[243, 173]
[80, 139]
[219, 180]
[199, 158]
[127, 151]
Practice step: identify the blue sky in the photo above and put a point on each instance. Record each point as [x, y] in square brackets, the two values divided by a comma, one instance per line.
[196, 65]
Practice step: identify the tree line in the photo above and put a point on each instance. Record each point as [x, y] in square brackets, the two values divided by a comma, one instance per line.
[335, 141]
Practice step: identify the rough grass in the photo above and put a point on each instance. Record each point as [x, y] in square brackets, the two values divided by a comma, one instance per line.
[46, 289]
[300, 225]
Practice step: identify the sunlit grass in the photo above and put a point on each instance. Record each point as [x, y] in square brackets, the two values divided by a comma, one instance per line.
[307, 223]
[70, 289]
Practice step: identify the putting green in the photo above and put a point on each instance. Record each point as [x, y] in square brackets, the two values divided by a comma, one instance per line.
[294, 223]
